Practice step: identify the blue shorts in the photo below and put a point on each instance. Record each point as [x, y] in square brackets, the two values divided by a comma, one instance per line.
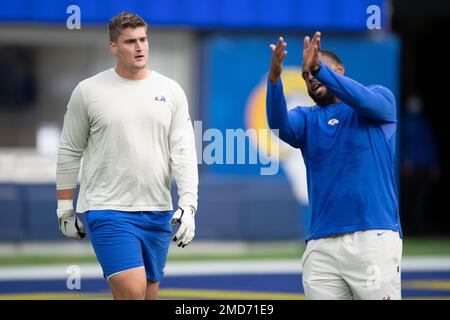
[124, 240]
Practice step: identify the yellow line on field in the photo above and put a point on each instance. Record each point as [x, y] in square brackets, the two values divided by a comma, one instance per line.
[221, 294]
[167, 294]
[163, 294]
[427, 284]
[55, 296]
[427, 298]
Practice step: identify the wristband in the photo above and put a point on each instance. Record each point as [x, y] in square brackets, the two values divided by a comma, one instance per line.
[65, 204]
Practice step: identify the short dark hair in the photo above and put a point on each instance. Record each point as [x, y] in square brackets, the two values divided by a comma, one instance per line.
[122, 21]
[331, 55]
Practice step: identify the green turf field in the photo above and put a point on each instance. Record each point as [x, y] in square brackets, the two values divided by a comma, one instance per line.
[411, 247]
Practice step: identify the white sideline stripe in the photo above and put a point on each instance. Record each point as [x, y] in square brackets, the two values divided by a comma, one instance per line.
[426, 264]
[285, 266]
[172, 269]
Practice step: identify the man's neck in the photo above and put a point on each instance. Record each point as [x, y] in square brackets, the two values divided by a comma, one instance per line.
[330, 103]
[139, 74]
[335, 100]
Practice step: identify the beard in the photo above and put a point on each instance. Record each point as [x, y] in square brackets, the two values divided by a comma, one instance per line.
[323, 99]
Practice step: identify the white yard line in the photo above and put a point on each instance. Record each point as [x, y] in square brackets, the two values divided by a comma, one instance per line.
[180, 268]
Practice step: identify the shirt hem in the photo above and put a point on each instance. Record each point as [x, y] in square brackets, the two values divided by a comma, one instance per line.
[337, 232]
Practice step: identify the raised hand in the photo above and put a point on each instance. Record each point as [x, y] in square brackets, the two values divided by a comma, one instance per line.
[278, 55]
[311, 53]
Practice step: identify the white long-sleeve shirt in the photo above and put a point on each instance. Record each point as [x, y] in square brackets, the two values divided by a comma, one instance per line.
[132, 135]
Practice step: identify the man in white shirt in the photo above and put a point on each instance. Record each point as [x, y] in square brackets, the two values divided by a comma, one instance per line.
[132, 128]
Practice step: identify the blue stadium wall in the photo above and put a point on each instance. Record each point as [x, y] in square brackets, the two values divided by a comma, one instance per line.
[230, 209]
[342, 15]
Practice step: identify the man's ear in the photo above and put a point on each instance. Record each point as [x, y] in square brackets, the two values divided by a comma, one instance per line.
[340, 69]
[113, 47]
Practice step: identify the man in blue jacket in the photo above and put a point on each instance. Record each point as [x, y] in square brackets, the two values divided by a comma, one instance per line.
[347, 139]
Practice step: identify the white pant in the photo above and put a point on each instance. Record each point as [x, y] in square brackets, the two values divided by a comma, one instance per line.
[359, 265]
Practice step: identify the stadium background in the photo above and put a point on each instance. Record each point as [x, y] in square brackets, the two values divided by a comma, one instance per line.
[218, 51]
